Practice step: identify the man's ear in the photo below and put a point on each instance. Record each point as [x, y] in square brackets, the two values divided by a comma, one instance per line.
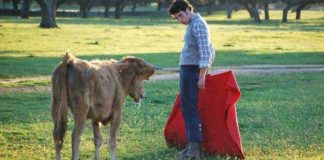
[187, 11]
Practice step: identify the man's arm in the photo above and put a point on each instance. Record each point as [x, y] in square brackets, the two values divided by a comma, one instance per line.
[202, 75]
[200, 32]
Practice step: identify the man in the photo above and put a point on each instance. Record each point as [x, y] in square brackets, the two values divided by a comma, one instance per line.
[195, 61]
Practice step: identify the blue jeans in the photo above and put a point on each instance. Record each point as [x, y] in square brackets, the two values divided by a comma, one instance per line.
[189, 75]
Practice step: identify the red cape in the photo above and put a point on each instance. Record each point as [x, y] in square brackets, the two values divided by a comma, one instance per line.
[216, 107]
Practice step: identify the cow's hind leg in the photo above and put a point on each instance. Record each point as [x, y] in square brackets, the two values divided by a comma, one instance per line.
[79, 108]
[76, 136]
[113, 134]
[79, 121]
[97, 138]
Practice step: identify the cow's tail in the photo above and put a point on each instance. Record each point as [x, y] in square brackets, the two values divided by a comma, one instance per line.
[59, 104]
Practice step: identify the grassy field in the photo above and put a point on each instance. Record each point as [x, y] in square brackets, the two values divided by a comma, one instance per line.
[280, 117]
[239, 41]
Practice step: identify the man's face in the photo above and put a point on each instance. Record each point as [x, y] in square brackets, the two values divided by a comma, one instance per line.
[182, 16]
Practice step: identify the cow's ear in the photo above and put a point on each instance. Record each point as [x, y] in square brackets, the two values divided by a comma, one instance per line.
[128, 59]
[147, 72]
[121, 66]
[144, 69]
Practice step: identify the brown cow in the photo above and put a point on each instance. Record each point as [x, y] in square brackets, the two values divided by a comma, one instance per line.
[94, 90]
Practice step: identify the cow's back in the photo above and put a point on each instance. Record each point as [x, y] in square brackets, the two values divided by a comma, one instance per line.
[95, 84]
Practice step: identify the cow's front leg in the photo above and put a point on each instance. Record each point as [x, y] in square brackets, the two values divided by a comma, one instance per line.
[113, 134]
[97, 138]
[76, 136]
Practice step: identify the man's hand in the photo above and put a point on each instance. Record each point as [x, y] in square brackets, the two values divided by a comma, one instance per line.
[201, 83]
[202, 79]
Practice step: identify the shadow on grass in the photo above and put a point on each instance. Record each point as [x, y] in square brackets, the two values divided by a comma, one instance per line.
[162, 154]
[10, 52]
[27, 66]
[172, 153]
[24, 108]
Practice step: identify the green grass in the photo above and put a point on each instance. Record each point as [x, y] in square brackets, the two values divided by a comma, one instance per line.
[26, 50]
[280, 117]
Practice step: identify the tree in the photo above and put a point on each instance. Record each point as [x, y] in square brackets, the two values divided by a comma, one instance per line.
[255, 11]
[245, 3]
[118, 8]
[210, 5]
[303, 4]
[159, 4]
[25, 9]
[229, 8]
[163, 3]
[252, 7]
[59, 3]
[289, 5]
[107, 4]
[266, 9]
[84, 7]
[15, 4]
[48, 13]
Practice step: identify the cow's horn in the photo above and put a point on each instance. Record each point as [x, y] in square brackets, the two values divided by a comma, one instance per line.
[154, 66]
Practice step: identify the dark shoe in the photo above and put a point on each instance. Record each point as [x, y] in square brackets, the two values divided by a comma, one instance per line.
[191, 152]
[183, 154]
[184, 151]
[194, 152]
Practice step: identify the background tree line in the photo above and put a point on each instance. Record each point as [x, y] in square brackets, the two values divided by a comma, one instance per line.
[255, 8]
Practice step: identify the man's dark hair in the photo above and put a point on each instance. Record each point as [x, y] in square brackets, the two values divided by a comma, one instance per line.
[179, 5]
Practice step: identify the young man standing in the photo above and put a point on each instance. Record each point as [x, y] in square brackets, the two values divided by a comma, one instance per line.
[195, 61]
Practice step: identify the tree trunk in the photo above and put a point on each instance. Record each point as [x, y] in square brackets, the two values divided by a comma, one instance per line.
[229, 8]
[25, 9]
[122, 8]
[229, 13]
[83, 11]
[15, 4]
[301, 7]
[107, 5]
[89, 5]
[84, 8]
[118, 8]
[246, 5]
[266, 11]
[210, 4]
[298, 12]
[159, 5]
[255, 11]
[134, 6]
[59, 3]
[286, 9]
[48, 13]
[285, 14]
